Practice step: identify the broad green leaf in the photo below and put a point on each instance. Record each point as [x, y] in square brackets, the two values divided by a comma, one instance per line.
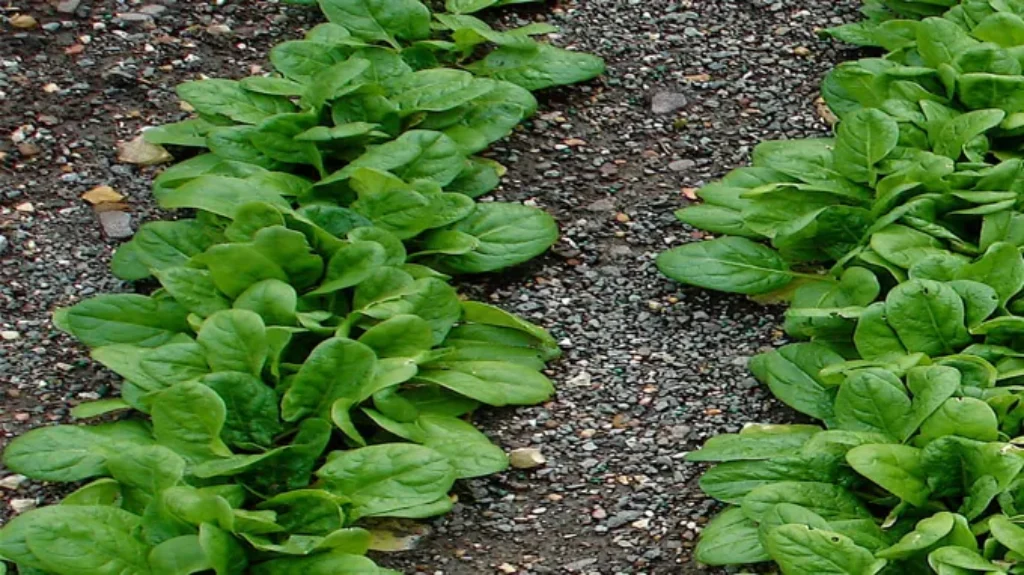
[874, 337]
[273, 300]
[71, 453]
[351, 265]
[234, 340]
[897, 468]
[803, 550]
[792, 374]
[730, 539]
[733, 480]
[193, 288]
[495, 383]
[123, 318]
[87, 540]
[758, 442]
[334, 369]
[330, 563]
[1001, 267]
[927, 316]
[436, 90]
[236, 267]
[399, 336]
[730, 264]
[832, 502]
[873, 400]
[220, 195]
[381, 479]
[159, 245]
[380, 20]
[506, 234]
[105, 492]
[190, 132]
[538, 66]
[864, 138]
[188, 418]
[301, 60]
[956, 133]
[962, 416]
[252, 417]
[416, 154]
[219, 97]
[179, 556]
[939, 41]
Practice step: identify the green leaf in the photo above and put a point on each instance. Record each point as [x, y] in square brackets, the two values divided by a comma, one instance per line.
[962, 416]
[897, 468]
[190, 132]
[98, 407]
[220, 195]
[71, 453]
[86, 540]
[832, 502]
[873, 400]
[273, 300]
[105, 492]
[416, 154]
[730, 539]
[874, 337]
[301, 60]
[227, 98]
[495, 383]
[928, 316]
[956, 133]
[436, 90]
[193, 288]
[380, 20]
[123, 318]
[803, 550]
[234, 340]
[792, 374]
[730, 264]
[330, 563]
[188, 418]
[507, 235]
[252, 413]
[755, 442]
[334, 369]
[733, 480]
[1001, 267]
[939, 41]
[538, 66]
[381, 479]
[864, 138]
[159, 245]
[331, 83]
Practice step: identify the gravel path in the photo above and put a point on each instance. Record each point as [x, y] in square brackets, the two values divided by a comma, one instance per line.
[651, 369]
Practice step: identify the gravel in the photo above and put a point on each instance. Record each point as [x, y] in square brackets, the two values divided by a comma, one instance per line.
[651, 369]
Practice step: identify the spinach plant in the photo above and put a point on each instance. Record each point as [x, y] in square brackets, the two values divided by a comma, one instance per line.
[304, 366]
[897, 244]
[382, 109]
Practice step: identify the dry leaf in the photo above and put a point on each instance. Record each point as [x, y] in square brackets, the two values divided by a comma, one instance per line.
[390, 535]
[141, 152]
[102, 195]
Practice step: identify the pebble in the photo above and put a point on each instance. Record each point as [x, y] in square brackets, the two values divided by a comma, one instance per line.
[68, 6]
[681, 165]
[3, 245]
[13, 481]
[22, 505]
[116, 224]
[666, 102]
[526, 458]
[8, 335]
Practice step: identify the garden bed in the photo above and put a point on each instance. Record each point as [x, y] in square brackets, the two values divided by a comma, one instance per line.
[650, 370]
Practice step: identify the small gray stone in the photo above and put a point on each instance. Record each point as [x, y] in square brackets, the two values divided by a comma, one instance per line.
[68, 6]
[579, 565]
[666, 102]
[116, 224]
[3, 245]
[134, 17]
[620, 519]
[682, 165]
[153, 10]
[602, 205]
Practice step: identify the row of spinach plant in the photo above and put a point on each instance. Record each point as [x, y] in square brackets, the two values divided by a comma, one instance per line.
[897, 245]
[305, 364]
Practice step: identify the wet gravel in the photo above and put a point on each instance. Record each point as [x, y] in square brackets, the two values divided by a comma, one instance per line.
[651, 369]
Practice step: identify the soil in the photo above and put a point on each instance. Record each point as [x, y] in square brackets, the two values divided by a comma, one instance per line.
[651, 369]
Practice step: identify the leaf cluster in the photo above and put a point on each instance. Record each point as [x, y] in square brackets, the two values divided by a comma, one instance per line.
[897, 244]
[305, 365]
